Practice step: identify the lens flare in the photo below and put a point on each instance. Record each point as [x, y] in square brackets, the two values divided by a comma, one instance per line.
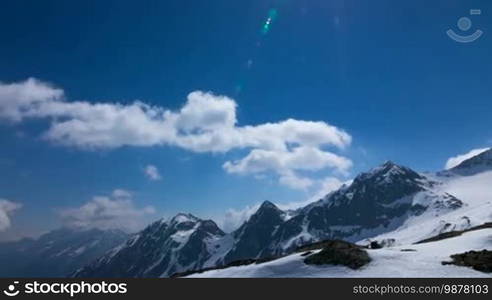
[272, 16]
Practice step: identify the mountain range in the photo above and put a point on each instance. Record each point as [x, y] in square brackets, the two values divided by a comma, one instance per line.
[388, 201]
[390, 204]
[56, 253]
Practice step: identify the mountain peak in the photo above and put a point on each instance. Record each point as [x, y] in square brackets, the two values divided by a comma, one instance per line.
[267, 204]
[184, 217]
[255, 234]
[268, 208]
[387, 171]
[389, 163]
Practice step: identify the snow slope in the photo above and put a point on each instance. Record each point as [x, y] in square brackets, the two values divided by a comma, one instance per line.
[476, 194]
[386, 262]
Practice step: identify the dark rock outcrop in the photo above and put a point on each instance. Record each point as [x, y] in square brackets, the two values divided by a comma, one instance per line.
[340, 253]
[478, 260]
[451, 234]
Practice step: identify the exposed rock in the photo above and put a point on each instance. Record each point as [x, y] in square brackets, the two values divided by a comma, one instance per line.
[450, 234]
[307, 253]
[375, 245]
[478, 260]
[340, 253]
[378, 244]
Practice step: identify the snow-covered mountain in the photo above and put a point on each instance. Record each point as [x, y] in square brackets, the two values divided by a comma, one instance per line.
[470, 181]
[162, 249]
[57, 253]
[377, 201]
[391, 204]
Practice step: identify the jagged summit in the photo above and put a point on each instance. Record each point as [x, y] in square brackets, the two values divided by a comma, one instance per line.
[267, 204]
[388, 167]
[160, 249]
[389, 163]
[254, 236]
[184, 217]
[266, 211]
[388, 172]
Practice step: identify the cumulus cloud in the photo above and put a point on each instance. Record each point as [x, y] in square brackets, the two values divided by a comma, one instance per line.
[456, 160]
[286, 162]
[6, 209]
[205, 123]
[17, 99]
[152, 172]
[116, 211]
[290, 179]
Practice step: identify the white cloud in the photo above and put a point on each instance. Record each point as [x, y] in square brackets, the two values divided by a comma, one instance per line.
[286, 162]
[205, 111]
[205, 123]
[6, 209]
[233, 218]
[290, 179]
[115, 211]
[121, 194]
[152, 172]
[456, 160]
[16, 99]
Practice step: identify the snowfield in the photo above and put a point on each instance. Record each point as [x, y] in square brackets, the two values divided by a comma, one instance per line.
[386, 262]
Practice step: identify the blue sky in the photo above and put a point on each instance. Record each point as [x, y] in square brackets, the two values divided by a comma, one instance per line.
[386, 74]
